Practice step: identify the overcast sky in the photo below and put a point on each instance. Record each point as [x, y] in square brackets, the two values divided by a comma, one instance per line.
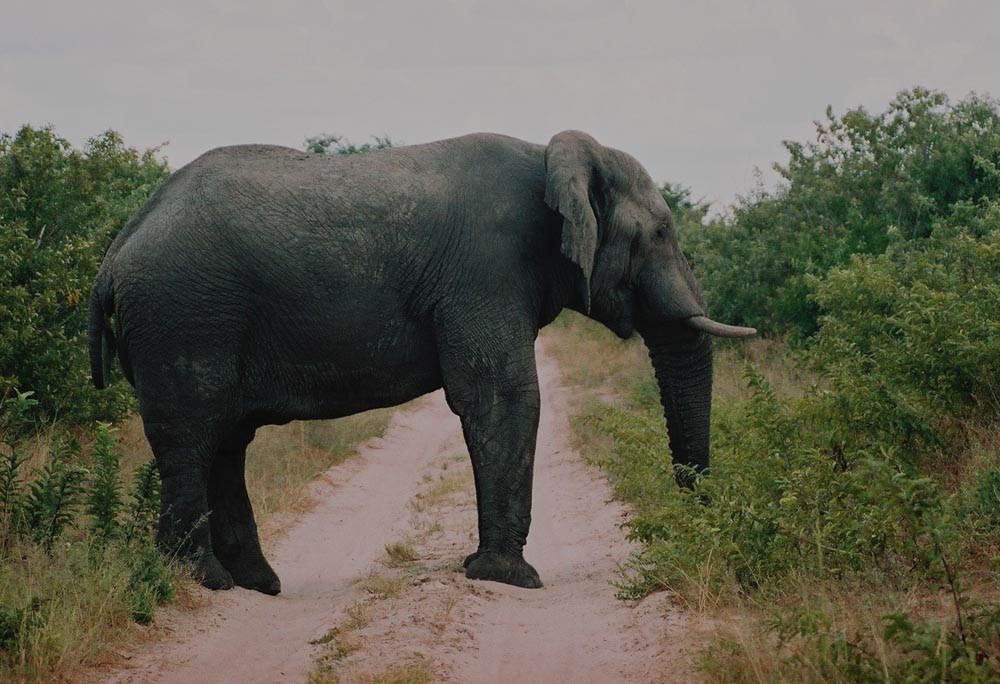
[700, 92]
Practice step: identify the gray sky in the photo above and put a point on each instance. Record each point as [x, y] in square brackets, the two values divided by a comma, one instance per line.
[701, 93]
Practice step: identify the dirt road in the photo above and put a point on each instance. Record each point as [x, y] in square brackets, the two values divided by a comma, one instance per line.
[372, 587]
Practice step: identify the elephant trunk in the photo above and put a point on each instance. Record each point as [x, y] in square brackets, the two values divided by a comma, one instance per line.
[682, 360]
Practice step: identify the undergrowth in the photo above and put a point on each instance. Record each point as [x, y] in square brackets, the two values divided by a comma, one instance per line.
[77, 556]
[78, 512]
[861, 553]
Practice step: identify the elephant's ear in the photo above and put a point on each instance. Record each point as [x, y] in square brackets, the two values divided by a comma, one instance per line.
[570, 161]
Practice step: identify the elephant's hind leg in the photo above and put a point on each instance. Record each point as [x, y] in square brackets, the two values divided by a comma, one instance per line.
[234, 530]
[183, 458]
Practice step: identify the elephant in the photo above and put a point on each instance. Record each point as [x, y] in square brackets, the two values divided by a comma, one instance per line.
[262, 284]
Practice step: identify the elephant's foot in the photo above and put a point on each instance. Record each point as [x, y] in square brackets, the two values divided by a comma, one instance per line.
[210, 573]
[497, 566]
[256, 574]
[471, 557]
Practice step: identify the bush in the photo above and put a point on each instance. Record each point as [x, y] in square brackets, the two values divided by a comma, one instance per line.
[867, 181]
[60, 208]
[911, 340]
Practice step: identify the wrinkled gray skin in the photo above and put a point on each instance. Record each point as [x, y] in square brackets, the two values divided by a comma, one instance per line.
[262, 284]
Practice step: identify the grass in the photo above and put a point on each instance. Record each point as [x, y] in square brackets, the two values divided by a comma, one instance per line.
[416, 671]
[68, 609]
[441, 490]
[400, 554]
[340, 641]
[382, 586]
[76, 607]
[332, 665]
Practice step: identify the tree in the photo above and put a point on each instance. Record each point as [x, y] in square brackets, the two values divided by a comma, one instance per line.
[866, 181]
[335, 144]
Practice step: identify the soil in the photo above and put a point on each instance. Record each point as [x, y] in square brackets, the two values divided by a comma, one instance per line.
[373, 589]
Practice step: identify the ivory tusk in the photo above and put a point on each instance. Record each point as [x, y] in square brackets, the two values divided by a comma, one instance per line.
[707, 325]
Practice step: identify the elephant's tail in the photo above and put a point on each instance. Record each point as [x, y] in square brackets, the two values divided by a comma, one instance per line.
[100, 335]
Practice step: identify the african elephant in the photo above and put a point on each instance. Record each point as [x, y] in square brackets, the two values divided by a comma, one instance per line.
[262, 284]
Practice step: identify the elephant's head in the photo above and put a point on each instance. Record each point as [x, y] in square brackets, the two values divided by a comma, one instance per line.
[618, 230]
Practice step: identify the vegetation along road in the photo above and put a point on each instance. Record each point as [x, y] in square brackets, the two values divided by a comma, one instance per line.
[853, 531]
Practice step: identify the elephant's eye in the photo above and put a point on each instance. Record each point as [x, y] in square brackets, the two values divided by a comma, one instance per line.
[660, 233]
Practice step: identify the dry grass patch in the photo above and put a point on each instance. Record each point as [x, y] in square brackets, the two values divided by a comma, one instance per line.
[416, 671]
[442, 617]
[592, 358]
[400, 554]
[382, 586]
[448, 484]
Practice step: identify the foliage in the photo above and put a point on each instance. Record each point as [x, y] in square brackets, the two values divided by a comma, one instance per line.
[151, 581]
[144, 510]
[876, 476]
[781, 504]
[686, 211]
[59, 210]
[338, 145]
[13, 413]
[41, 517]
[901, 648]
[911, 339]
[53, 494]
[104, 499]
[867, 181]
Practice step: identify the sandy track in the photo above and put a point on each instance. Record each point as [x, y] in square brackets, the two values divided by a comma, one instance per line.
[465, 632]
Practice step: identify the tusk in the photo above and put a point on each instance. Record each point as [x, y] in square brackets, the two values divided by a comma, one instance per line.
[707, 325]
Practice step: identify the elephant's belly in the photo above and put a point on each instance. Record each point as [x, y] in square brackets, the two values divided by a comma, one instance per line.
[333, 396]
[324, 373]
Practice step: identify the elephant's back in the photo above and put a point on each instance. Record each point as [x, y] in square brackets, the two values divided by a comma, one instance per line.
[276, 219]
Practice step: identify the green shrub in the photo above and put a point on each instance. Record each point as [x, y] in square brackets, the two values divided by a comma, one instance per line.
[104, 496]
[144, 510]
[867, 181]
[54, 493]
[911, 339]
[781, 504]
[151, 581]
[14, 424]
[59, 210]
[17, 623]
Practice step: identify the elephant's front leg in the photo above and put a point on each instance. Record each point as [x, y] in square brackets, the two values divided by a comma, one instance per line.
[497, 399]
